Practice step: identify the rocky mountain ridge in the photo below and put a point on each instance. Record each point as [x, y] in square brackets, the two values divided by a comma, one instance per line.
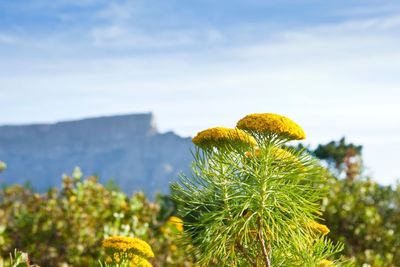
[127, 148]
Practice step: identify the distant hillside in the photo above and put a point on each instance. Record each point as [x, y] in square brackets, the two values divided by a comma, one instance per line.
[127, 148]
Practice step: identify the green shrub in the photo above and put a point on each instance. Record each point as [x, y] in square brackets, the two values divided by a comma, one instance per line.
[67, 226]
[366, 218]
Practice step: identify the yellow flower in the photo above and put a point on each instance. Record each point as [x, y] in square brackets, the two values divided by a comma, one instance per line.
[176, 222]
[116, 257]
[250, 154]
[108, 260]
[326, 263]
[320, 228]
[140, 262]
[145, 263]
[124, 205]
[128, 245]
[173, 248]
[267, 123]
[72, 199]
[220, 136]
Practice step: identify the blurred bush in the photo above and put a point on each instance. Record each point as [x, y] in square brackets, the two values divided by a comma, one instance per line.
[362, 214]
[366, 218]
[65, 228]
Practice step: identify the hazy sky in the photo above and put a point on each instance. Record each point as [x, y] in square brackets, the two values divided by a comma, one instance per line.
[332, 66]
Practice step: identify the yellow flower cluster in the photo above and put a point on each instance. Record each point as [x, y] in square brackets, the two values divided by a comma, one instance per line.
[176, 222]
[266, 123]
[128, 245]
[172, 225]
[220, 136]
[140, 262]
[320, 228]
[326, 263]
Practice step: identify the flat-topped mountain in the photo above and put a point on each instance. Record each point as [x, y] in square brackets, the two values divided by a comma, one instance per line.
[127, 148]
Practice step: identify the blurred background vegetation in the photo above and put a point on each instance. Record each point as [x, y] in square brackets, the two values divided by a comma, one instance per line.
[64, 227]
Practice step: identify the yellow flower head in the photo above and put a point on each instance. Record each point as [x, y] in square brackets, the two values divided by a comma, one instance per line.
[128, 245]
[220, 136]
[140, 262]
[173, 248]
[108, 260]
[72, 199]
[326, 263]
[319, 228]
[267, 123]
[176, 222]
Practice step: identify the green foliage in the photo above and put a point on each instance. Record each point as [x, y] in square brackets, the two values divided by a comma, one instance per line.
[366, 218]
[362, 214]
[67, 226]
[252, 206]
[17, 259]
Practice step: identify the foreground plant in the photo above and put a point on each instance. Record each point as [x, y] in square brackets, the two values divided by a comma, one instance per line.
[17, 259]
[252, 200]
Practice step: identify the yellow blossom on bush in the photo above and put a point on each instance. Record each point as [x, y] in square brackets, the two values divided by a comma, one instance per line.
[116, 257]
[320, 228]
[140, 262]
[177, 222]
[72, 199]
[220, 136]
[173, 247]
[124, 206]
[267, 123]
[126, 245]
[256, 152]
[108, 260]
[326, 263]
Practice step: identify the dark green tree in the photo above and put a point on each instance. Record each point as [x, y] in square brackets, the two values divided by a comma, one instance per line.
[344, 159]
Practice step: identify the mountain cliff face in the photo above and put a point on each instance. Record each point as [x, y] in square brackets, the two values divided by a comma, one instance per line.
[127, 148]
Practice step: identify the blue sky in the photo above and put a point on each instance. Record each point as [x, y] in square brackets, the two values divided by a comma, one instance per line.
[332, 66]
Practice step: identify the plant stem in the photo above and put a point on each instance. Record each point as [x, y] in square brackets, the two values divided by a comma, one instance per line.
[262, 241]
